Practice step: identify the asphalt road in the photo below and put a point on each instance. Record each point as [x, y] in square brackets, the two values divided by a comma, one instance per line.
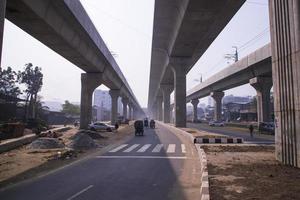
[234, 132]
[159, 165]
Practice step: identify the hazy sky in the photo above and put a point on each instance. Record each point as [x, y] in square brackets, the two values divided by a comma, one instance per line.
[126, 27]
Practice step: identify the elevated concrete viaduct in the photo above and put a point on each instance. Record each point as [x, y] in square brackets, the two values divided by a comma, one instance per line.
[182, 32]
[65, 27]
[256, 69]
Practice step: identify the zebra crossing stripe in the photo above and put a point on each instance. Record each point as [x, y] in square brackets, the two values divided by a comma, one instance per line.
[183, 148]
[144, 148]
[157, 148]
[118, 148]
[171, 148]
[131, 148]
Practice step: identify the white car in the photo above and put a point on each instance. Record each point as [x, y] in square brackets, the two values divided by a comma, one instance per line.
[216, 123]
[100, 126]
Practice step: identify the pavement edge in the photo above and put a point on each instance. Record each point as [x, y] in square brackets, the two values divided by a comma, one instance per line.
[204, 190]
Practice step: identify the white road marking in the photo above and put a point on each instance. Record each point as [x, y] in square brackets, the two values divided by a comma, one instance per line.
[131, 148]
[171, 148]
[183, 148]
[118, 148]
[80, 192]
[157, 148]
[145, 157]
[144, 148]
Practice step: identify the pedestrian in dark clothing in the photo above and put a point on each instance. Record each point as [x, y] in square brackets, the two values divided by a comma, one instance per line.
[251, 130]
[116, 126]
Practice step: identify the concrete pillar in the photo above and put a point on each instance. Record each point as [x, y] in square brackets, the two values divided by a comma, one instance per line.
[114, 94]
[166, 90]
[217, 96]
[262, 85]
[179, 94]
[285, 39]
[89, 82]
[154, 111]
[125, 103]
[130, 111]
[195, 103]
[2, 18]
[171, 113]
[159, 108]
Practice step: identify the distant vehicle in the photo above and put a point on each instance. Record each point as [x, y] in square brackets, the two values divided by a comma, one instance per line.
[152, 123]
[139, 127]
[146, 122]
[100, 126]
[216, 123]
[266, 127]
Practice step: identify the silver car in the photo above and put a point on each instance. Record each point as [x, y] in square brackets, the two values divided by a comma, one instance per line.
[216, 123]
[100, 126]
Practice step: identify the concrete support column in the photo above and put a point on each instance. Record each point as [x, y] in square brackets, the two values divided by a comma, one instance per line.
[195, 103]
[89, 82]
[171, 113]
[154, 111]
[130, 111]
[179, 94]
[2, 18]
[285, 39]
[114, 94]
[125, 103]
[217, 96]
[159, 108]
[166, 90]
[262, 85]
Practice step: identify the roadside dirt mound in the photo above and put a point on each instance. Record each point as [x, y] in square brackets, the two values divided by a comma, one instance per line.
[46, 143]
[81, 141]
[93, 134]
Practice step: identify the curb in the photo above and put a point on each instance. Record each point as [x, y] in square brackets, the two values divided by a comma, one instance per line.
[204, 140]
[16, 142]
[204, 190]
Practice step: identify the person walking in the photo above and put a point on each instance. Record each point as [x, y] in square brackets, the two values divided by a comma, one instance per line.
[251, 130]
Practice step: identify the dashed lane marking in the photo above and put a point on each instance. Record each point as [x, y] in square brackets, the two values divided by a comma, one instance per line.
[80, 192]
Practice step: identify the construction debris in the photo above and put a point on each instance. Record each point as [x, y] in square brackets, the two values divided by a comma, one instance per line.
[46, 143]
[81, 141]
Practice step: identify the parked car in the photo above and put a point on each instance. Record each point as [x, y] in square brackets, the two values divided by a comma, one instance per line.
[266, 127]
[216, 123]
[100, 126]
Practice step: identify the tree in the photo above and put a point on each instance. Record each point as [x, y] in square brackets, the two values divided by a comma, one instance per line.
[70, 108]
[32, 77]
[8, 80]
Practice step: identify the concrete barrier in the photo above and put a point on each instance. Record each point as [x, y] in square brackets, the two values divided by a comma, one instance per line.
[16, 142]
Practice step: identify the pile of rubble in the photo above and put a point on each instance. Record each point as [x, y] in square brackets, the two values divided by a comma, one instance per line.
[46, 143]
[93, 134]
[81, 141]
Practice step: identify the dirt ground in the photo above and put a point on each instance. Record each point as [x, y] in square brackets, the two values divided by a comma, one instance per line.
[250, 172]
[22, 163]
[204, 134]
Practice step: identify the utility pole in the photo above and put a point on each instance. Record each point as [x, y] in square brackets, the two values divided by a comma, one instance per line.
[234, 56]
